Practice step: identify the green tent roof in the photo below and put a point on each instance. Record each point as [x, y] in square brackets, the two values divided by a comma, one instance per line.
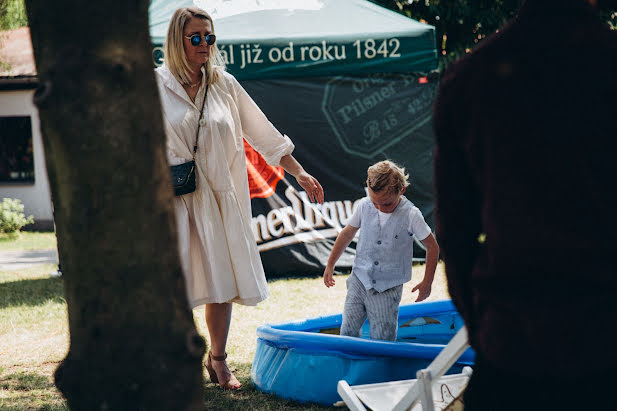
[321, 38]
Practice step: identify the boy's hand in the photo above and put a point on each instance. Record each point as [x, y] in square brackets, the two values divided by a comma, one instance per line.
[432, 255]
[424, 291]
[328, 277]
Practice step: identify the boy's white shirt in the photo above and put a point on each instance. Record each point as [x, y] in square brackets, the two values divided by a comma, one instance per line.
[417, 226]
[383, 217]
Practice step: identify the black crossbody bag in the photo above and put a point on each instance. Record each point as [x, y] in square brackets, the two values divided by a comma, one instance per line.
[183, 176]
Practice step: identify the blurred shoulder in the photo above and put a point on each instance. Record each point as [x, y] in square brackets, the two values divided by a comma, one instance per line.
[363, 203]
[165, 79]
[163, 73]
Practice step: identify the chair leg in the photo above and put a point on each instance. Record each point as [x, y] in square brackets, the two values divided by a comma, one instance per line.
[426, 390]
[351, 400]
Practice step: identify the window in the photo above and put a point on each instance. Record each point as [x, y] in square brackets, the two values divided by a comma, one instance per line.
[16, 157]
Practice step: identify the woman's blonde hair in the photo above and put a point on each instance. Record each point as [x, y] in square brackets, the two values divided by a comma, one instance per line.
[175, 57]
[386, 175]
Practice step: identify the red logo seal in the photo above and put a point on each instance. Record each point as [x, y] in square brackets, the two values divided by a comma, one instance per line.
[262, 176]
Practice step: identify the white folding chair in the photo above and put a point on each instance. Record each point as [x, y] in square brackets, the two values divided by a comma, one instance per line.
[430, 387]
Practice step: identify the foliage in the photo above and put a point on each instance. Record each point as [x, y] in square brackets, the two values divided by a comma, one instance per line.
[461, 24]
[12, 14]
[12, 217]
[611, 18]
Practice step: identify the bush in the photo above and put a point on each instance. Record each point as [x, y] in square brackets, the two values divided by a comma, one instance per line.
[12, 14]
[12, 217]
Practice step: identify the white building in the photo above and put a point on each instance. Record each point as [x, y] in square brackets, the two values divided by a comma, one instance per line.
[23, 172]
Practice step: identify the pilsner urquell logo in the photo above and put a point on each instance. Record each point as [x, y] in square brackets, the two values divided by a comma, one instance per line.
[370, 114]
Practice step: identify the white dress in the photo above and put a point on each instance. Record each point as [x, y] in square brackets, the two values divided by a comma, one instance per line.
[218, 252]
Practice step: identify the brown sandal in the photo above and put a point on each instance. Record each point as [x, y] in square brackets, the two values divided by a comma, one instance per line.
[231, 383]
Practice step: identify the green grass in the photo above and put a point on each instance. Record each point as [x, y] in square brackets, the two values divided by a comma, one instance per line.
[34, 336]
[28, 240]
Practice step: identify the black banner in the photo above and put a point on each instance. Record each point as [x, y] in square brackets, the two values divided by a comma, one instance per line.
[340, 126]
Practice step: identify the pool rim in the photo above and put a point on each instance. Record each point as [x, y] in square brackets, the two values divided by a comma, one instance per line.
[297, 335]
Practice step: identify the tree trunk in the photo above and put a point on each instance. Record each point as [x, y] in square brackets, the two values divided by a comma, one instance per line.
[134, 344]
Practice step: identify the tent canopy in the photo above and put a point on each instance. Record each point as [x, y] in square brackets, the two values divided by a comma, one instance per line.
[346, 80]
[301, 38]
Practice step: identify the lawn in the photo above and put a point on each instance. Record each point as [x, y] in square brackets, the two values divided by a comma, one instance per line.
[34, 332]
[28, 240]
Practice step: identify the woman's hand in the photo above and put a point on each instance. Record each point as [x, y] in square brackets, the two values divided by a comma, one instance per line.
[307, 182]
[311, 186]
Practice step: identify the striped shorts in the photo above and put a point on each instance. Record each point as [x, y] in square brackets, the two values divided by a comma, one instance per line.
[381, 309]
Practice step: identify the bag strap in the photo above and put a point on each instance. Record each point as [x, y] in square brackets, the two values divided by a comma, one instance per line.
[203, 103]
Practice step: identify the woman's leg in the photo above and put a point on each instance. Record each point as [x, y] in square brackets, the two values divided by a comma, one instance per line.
[218, 319]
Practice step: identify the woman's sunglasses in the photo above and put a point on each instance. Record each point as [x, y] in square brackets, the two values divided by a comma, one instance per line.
[196, 39]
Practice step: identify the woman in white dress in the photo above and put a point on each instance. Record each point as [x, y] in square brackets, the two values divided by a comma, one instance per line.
[218, 252]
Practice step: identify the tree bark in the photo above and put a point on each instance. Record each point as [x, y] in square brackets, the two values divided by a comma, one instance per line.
[134, 344]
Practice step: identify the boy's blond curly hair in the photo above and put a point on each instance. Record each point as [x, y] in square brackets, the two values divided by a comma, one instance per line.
[387, 175]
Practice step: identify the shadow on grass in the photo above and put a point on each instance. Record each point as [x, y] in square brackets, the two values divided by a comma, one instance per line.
[29, 391]
[32, 391]
[248, 397]
[31, 292]
[24, 381]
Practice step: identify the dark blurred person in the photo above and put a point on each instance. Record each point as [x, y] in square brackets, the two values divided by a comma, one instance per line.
[526, 207]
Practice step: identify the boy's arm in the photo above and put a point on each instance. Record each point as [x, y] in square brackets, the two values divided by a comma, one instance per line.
[342, 241]
[432, 255]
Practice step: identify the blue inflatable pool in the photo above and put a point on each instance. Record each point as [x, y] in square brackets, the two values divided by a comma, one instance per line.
[304, 360]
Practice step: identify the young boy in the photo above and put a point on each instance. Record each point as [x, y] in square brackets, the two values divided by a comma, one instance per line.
[387, 222]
